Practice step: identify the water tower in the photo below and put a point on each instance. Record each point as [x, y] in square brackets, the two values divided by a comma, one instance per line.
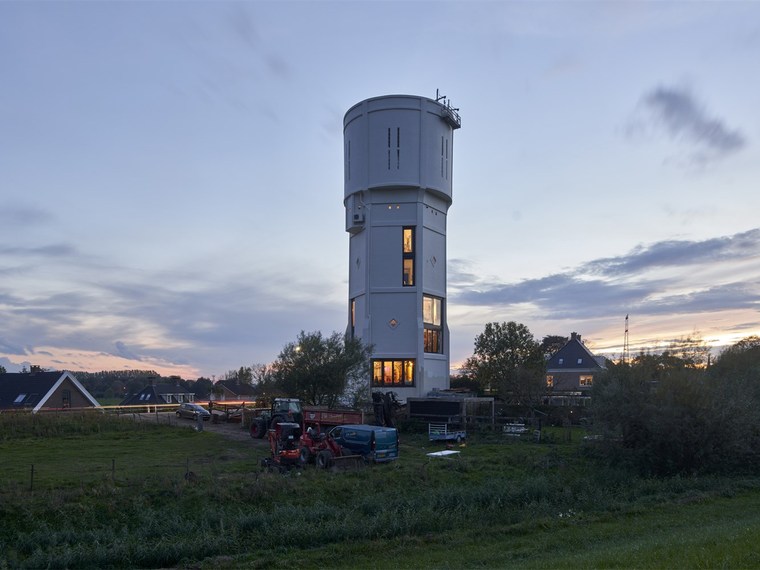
[398, 165]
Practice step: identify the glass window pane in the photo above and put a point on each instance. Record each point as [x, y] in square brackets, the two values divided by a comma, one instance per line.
[397, 371]
[431, 310]
[409, 372]
[387, 371]
[408, 272]
[408, 240]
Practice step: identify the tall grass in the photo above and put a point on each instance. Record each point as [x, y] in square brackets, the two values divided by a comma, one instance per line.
[163, 519]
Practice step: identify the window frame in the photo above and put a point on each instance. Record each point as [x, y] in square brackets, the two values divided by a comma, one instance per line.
[386, 365]
[408, 256]
[432, 334]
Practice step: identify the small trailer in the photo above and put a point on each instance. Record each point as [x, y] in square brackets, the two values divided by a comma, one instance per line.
[442, 432]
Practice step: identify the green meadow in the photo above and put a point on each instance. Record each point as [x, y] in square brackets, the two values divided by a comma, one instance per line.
[97, 491]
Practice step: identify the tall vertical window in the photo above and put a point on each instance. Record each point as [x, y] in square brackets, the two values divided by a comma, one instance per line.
[408, 257]
[353, 318]
[66, 399]
[398, 147]
[393, 372]
[444, 158]
[432, 318]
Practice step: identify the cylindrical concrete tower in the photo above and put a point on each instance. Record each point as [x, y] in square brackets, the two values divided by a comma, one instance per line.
[398, 165]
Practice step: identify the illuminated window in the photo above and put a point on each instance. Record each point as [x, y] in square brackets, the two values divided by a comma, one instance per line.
[586, 380]
[397, 373]
[550, 381]
[432, 318]
[353, 317]
[408, 257]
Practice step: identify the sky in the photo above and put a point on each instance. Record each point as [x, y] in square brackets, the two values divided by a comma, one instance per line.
[171, 173]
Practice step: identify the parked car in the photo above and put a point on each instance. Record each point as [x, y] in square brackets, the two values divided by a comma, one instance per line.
[374, 443]
[193, 411]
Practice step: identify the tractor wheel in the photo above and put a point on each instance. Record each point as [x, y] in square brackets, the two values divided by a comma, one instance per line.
[258, 429]
[324, 459]
[305, 456]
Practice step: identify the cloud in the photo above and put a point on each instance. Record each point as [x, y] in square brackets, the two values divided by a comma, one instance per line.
[124, 352]
[678, 252]
[635, 282]
[676, 113]
[55, 250]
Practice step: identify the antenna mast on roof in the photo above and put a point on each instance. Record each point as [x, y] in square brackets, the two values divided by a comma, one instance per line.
[626, 348]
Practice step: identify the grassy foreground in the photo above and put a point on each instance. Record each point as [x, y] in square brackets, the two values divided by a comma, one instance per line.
[111, 493]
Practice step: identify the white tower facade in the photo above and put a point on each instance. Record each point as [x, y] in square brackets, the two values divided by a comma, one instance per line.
[398, 189]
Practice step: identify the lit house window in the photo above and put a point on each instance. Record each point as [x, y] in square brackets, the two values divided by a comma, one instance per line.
[586, 380]
[408, 257]
[353, 318]
[397, 373]
[550, 381]
[432, 317]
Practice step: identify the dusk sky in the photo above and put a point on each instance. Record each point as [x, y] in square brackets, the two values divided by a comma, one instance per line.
[171, 173]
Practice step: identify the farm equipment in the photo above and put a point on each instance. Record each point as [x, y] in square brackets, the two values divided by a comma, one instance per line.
[324, 451]
[290, 410]
[282, 410]
[284, 446]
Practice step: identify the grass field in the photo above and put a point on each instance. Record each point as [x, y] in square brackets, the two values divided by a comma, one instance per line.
[112, 493]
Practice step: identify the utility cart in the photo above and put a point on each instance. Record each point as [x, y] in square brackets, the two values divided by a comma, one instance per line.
[442, 432]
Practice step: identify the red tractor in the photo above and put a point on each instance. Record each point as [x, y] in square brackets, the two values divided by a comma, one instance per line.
[324, 451]
[284, 440]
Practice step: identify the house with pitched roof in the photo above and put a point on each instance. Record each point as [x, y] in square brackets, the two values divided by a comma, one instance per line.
[38, 390]
[158, 394]
[234, 390]
[570, 373]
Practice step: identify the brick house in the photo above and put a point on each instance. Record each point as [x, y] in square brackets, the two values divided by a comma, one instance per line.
[38, 390]
[158, 394]
[570, 373]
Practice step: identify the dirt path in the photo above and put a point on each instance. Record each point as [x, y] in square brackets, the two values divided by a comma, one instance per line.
[229, 430]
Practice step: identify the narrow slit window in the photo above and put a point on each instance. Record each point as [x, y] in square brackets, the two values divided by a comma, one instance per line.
[389, 148]
[442, 159]
[398, 147]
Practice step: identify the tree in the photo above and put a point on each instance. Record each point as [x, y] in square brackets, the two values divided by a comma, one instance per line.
[201, 388]
[668, 414]
[265, 381]
[318, 369]
[551, 344]
[2, 369]
[506, 358]
[690, 350]
[243, 375]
